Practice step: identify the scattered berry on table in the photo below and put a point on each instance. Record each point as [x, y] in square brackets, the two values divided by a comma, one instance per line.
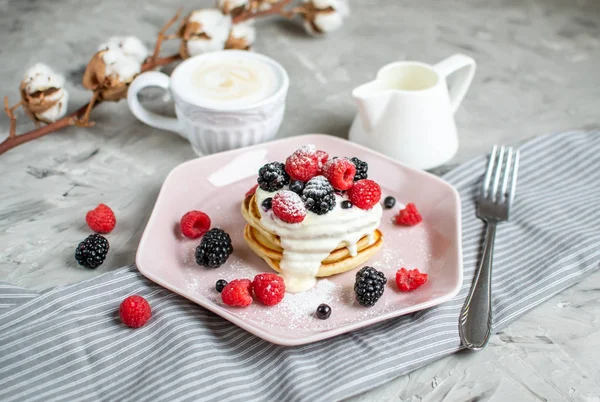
[322, 157]
[408, 280]
[389, 202]
[346, 204]
[194, 224]
[365, 194]
[214, 249]
[318, 195]
[272, 176]
[288, 206]
[409, 216]
[237, 293]
[303, 164]
[220, 285]
[91, 252]
[369, 286]
[297, 186]
[268, 288]
[135, 311]
[267, 203]
[101, 219]
[251, 191]
[361, 169]
[340, 173]
[323, 311]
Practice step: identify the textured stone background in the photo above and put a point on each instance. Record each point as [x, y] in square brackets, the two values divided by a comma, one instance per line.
[538, 72]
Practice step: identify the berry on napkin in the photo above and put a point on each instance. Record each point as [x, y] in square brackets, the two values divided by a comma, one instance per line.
[135, 311]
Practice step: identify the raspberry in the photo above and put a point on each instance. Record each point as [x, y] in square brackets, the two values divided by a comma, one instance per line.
[194, 224]
[364, 194]
[303, 164]
[322, 157]
[269, 289]
[135, 311]
[340, 173]
[408, 280]
[102, 219]
[288, 206]
[237, 293]
[251, 191]
[409, 216]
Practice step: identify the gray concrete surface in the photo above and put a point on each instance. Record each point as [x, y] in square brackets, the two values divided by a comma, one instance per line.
[539, 72]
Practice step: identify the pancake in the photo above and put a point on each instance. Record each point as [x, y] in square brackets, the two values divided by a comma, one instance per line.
[267, 245]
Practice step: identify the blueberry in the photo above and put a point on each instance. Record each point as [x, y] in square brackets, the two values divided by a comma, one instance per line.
[389, 202]
[221, 283]
[323, 311]
[267, 203]
[297, 186]
[346, 204]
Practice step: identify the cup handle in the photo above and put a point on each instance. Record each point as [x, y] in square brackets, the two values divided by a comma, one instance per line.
[461, 84]
[150, 79]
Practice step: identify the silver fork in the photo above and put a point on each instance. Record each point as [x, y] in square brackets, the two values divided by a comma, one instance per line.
[493, 206]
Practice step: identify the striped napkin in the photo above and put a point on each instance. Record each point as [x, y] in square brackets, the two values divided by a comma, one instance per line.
[67, 343]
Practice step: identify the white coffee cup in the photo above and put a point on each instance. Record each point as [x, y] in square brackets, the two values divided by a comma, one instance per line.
[215, 122]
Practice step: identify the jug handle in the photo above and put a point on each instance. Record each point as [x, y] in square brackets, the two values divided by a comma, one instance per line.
[465, 66]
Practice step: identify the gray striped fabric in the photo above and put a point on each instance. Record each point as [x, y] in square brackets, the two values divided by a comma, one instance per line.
[67, 343]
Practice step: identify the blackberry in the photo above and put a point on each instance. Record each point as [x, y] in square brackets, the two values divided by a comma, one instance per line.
[272, 176]
[323, 311]
[369, 286]
[297, 186]
[318, 195]
[346, 204]
[220, 285]
[389, 202]
[214, 249]
[91, 252]
[361, 169]
[267, 203]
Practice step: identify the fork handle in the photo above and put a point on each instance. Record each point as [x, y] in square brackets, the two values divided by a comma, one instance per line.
[475, 323]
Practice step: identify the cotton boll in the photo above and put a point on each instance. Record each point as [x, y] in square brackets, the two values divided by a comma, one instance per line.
[323, 16]
[43, 94]
[204, 31]
[242, 36]
[123, 57]
[232, 6]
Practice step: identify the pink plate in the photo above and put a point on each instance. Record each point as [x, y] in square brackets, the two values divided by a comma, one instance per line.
[216, 184]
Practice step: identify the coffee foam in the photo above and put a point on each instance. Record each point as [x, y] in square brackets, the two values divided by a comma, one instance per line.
[242, 81]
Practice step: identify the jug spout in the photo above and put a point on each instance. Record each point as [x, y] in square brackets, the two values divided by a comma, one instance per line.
[371, 99]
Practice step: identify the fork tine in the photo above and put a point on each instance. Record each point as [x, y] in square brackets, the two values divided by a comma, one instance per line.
[488, 172]
[513, 179]
[497, 174]
[509, 158]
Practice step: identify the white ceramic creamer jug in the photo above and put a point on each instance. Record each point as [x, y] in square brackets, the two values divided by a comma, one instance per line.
[407, 112]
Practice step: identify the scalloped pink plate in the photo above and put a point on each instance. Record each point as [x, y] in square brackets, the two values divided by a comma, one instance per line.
[216, 184]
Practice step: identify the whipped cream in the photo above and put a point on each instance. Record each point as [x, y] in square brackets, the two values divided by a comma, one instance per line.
[306, 244]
